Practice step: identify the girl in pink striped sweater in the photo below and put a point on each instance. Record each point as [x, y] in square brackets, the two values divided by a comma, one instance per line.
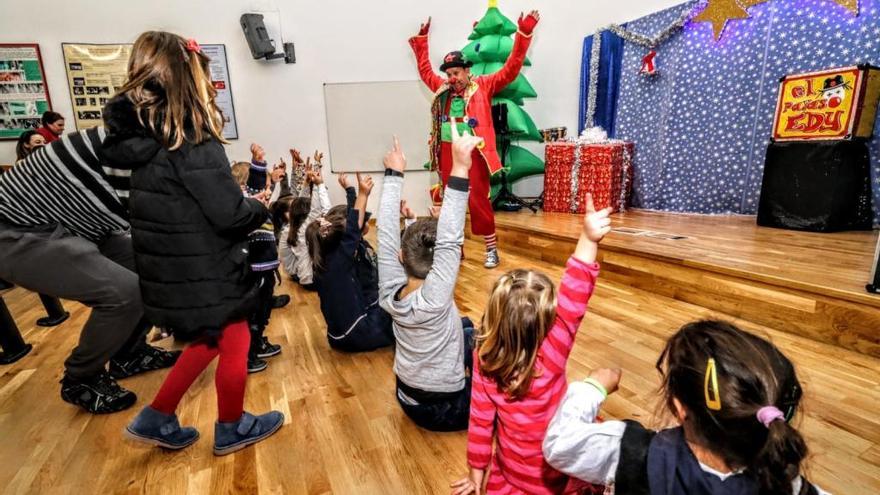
[519, 369]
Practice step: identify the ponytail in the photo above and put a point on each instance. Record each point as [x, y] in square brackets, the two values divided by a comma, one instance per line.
[313, 241]
[322, 236]
[298, 212]
[779, 462]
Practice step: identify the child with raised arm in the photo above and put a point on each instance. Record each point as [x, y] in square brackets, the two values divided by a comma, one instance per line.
[355, 322]
[313, 203]
[417, 276]
[733, 395]
[522, 349]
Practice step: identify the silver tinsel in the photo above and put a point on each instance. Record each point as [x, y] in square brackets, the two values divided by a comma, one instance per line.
[624, 178]
[575, 183]
[632, 37]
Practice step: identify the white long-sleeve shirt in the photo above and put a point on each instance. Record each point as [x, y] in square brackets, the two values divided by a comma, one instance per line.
[579, 447]
[296, 259]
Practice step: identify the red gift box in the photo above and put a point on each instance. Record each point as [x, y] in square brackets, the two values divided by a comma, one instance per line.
[601, 173]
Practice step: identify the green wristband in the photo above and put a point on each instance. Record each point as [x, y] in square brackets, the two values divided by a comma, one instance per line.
[599, 386]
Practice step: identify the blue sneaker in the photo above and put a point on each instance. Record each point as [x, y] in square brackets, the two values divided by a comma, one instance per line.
[160, 429]
[248, 430]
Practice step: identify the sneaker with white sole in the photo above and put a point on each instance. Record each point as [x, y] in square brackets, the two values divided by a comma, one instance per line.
[492, 259]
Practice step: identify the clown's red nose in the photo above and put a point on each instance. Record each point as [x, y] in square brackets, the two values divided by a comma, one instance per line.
[834, 101]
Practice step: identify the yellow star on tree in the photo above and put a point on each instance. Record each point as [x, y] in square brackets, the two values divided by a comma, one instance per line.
[718, 12]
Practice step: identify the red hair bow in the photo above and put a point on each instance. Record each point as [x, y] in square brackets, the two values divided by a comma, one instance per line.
[193, 46]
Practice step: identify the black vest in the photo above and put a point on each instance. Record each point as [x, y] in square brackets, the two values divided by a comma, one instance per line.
[661, 463]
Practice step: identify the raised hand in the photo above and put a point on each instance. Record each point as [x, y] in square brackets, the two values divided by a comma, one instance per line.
[462, 150]
[296, 157]
[365, 183]
[406, 211]
[395, 159]
[527, 24]
[608, 377]
[434, 211]
[318, 158]
[597, 224]
[315, 177]
[343, 180]
[279, 171]
[257, 153]
[425, 28]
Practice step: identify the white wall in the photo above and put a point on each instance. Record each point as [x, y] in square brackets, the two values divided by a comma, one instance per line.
[281, 106]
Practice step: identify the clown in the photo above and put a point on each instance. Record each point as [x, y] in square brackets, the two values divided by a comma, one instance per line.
[468, 100]
[834, 91]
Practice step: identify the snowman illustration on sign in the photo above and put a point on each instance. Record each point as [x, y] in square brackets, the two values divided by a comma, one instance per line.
[834, 91]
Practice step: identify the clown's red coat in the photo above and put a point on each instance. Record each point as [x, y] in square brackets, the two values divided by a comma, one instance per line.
[478, 96]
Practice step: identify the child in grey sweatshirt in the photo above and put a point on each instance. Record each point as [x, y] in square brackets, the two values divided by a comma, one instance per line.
[434, 346]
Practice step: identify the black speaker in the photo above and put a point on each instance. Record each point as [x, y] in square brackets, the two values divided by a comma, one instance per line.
[819, 186]
[258, 40]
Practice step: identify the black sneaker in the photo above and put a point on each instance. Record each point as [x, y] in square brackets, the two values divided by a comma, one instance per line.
[256, 365]
[99, 394]
[280, 301]
[267, 349]
[145, 358]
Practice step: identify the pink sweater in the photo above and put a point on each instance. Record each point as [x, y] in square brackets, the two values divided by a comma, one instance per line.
[518, 464]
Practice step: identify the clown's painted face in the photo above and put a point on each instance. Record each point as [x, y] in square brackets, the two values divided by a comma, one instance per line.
[458, 78]
[834, 97]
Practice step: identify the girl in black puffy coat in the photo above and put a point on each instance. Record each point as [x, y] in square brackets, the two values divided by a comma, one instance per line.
[189, 226]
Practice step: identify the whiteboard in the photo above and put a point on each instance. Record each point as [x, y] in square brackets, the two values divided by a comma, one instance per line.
[362, 117]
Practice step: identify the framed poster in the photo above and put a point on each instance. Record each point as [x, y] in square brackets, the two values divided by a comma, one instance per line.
[24, 95]
[220, 79]
[94, 73]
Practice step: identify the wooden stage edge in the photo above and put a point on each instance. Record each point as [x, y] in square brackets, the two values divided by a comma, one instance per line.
[804, 283]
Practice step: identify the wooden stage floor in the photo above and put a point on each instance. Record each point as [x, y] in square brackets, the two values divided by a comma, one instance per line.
[345, 432]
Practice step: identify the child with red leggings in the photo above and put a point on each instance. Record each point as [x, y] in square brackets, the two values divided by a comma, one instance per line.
[190, 226]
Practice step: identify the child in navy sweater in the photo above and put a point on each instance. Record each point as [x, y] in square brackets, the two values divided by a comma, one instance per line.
[345, 275]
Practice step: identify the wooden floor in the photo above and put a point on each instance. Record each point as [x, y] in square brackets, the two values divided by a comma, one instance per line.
[345, 433]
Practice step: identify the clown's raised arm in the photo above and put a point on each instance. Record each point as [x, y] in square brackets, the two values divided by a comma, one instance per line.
[493, 82]
[419, 44]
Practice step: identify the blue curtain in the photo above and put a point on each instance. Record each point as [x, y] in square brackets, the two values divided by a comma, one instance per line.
[701, 127]
[610, 58]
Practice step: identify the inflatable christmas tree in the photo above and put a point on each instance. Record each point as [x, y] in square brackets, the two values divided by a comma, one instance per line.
[490, 46]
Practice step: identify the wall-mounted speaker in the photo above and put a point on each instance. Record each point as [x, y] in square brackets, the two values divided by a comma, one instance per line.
[260, 44]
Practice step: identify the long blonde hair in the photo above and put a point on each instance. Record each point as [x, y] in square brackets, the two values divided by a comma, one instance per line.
[171, 90]
[521, 310]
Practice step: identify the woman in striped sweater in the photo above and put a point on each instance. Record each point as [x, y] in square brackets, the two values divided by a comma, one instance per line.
[519, 369]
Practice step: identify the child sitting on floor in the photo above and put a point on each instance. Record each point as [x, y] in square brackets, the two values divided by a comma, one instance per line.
[417, 276]
[303, 210]
[733, 395]
[355, 322]
[519, 368]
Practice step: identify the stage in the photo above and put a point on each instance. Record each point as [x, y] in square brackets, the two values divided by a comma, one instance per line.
[804, 283]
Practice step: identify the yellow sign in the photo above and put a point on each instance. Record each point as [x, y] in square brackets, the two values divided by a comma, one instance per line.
[819, 105]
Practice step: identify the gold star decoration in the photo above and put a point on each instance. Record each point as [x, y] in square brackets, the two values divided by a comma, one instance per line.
[718, 12]
[850, 5]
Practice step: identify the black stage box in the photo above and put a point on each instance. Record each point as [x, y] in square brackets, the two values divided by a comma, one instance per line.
[819, 186]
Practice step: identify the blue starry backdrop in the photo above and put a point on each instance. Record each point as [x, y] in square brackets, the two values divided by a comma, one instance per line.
[702, 126]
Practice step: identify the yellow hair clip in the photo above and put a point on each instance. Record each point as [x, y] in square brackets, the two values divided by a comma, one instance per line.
[713, 396]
